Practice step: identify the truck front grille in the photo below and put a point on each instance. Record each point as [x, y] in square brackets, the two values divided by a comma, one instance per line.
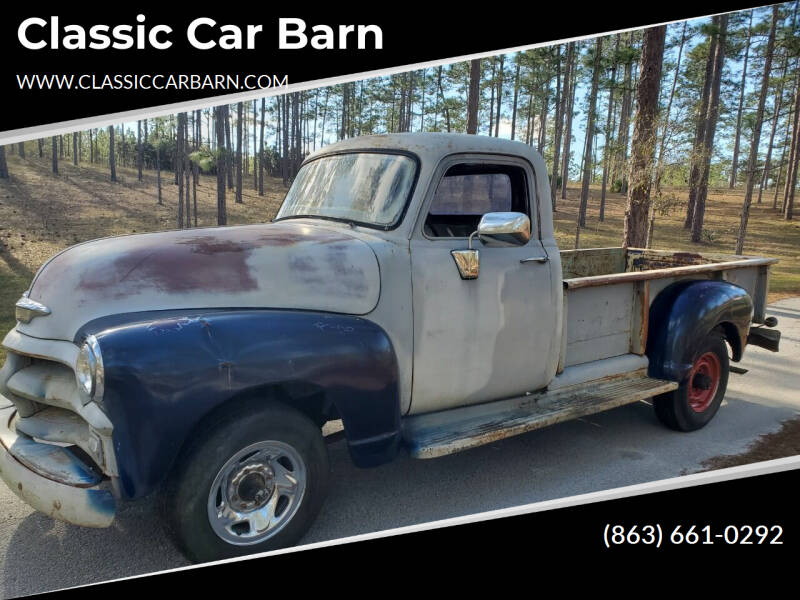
[51, 410]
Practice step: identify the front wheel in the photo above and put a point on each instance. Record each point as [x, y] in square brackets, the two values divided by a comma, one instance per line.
[699, 396]
[254, 482]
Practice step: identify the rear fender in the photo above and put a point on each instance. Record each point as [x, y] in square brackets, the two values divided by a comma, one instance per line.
[683, 315]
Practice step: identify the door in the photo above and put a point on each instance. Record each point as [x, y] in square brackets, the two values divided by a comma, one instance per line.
[487, 338]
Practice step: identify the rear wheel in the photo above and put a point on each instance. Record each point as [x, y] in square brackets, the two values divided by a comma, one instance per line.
[699, 396]
[253, 482]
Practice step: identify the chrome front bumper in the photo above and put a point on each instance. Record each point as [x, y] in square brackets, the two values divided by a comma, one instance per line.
[51, 478]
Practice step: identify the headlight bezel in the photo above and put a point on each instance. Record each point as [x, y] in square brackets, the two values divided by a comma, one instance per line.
[89, 371]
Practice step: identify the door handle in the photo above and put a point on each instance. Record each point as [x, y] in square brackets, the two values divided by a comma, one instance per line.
[537, 259]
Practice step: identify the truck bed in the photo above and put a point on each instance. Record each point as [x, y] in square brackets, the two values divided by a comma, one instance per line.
[608, 291]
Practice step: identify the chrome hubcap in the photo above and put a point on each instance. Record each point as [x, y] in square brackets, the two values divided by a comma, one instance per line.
[256, 493]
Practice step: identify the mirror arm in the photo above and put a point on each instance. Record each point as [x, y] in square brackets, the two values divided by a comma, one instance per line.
[471, 235]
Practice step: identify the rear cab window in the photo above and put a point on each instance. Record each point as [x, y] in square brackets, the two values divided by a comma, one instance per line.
[467, 191]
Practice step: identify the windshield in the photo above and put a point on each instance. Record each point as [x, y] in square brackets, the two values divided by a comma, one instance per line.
[364, 187]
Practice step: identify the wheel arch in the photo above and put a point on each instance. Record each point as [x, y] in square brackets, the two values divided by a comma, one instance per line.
[731, 333]
[312, 404]
[684, 313]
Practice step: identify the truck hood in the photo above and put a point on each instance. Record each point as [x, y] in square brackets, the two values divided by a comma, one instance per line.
[288, 265]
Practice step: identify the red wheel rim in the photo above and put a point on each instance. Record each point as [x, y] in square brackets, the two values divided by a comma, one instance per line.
[704, 381]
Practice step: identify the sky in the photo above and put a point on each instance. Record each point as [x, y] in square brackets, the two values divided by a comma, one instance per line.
[723, 143]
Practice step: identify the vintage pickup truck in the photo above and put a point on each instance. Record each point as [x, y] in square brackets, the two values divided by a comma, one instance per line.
[410, 286]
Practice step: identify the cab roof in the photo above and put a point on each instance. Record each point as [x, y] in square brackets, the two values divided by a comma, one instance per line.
[432, 146]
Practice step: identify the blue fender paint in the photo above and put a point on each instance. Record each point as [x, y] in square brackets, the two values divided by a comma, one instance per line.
[165, 372]
[684, 313]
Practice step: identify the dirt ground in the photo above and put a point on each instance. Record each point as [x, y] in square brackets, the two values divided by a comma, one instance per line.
[784, 442]
[42, 213]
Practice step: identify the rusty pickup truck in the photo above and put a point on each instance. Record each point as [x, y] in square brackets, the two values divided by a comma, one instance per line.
[410, 286]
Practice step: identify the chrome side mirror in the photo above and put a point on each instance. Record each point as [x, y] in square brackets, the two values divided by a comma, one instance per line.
[504, 229]
[494, 229]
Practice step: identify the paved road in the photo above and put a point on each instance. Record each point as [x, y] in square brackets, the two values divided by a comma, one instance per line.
[621, 447]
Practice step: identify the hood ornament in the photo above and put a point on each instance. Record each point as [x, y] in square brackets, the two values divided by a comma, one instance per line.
[27, 309]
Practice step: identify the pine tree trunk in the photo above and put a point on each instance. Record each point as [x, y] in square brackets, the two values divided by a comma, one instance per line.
[222, 213]
[696, 158]
[239, 174]
[228, 148]
[444, 101]
[158, 171]
[752, 160]
[710, 130]
[491, 97]
[516, 97]
[608, 144]
[667, 112]
[54, 145]
[186, 169]
[557, 133]
[620, 164]
[643, 143]
[256, 153]
[179, 152]
[569, 97]
[198, 134]
[261, 149]
[793, 141]
[775, 114]
[786, 142]
[474, 93]
[735, 163]
[794, 159]
[590, 118]
[543, 116]
[286, 146]
[499, 96]
[112, 159]
[139, 149]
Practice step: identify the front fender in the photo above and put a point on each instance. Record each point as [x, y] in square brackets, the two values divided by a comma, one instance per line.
[684, 313]
[165, 372]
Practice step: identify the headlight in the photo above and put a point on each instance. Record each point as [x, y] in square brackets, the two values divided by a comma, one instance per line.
[89, 370]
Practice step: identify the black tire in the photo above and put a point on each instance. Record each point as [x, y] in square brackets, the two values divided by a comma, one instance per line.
[693, 405]
[185, 496]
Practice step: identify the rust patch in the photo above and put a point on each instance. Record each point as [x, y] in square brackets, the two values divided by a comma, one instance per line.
[278, 235]
[211, 245]
[178, 267]
[687, 256]
[278, 238]
[213, 261]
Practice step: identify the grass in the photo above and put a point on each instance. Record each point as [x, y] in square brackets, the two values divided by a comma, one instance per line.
[42, 213]
[767, 233]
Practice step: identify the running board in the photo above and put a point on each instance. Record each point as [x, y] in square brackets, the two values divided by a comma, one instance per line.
[437, 434]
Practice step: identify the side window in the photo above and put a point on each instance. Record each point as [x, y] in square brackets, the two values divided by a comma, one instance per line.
[470, 190]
